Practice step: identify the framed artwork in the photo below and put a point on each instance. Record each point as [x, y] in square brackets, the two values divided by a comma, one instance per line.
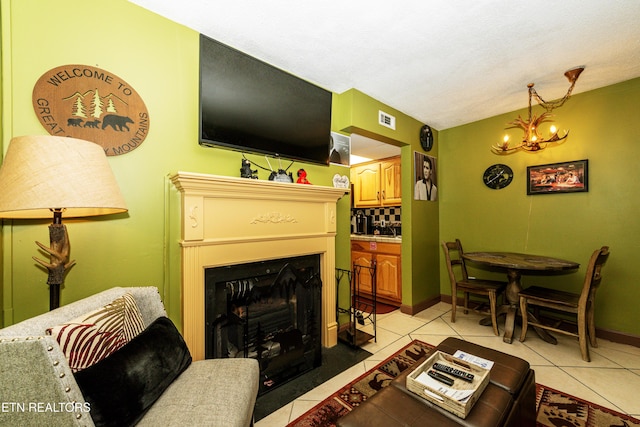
[340, 151]
[566, 177]
[425, 178]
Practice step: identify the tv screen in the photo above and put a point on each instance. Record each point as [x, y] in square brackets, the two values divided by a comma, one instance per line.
[249, 105]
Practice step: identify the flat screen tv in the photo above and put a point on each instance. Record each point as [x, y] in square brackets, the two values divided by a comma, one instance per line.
[249, 105]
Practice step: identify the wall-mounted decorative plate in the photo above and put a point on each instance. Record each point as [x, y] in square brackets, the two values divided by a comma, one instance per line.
[426, 138]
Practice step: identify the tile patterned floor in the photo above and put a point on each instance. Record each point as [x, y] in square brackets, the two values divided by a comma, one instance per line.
[611, 379]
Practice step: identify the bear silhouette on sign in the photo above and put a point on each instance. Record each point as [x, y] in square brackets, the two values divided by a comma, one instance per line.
[116, 122]
[74, 122]
[92, 124]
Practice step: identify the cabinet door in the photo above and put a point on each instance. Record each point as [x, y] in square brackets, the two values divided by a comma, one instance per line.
[388, 278]
[391, 184]
[364, 259]
[366, 185]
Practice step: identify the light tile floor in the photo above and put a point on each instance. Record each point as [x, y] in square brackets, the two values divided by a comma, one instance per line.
[611, 379]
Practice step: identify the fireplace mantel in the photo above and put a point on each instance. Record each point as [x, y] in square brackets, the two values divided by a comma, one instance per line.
[226, 221]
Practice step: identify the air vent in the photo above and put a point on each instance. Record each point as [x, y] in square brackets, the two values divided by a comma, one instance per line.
[386, 120]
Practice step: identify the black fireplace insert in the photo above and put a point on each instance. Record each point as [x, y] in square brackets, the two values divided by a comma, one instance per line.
[269, 311]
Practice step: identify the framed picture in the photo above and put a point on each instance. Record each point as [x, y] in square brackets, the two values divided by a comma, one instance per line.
[340, 151]
[426, 178]
[566, 177]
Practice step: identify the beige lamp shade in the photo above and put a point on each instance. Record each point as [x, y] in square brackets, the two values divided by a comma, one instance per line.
[42, 172]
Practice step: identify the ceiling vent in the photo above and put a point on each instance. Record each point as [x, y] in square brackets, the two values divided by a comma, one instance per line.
[386, 120]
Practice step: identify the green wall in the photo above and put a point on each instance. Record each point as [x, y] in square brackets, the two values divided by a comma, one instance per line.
[571, 226]
[159, 58]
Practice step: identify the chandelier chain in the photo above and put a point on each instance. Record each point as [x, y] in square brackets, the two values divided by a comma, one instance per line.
[551, 105]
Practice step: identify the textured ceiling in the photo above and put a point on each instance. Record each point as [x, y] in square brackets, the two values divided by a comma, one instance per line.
[445, 63]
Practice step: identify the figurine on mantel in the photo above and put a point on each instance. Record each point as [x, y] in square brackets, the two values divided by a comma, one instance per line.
[302, 177]
[246, 171]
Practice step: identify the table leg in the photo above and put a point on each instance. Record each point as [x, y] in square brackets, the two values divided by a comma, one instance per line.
[510, 312]
[512, 308]
[513, 300]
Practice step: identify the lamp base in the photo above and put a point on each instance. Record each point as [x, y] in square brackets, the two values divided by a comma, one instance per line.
[58, 260]
[54, 296]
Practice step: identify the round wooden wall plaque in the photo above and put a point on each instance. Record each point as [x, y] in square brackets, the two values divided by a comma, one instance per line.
[89, 103]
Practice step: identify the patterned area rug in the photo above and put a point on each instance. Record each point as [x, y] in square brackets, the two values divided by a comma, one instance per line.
[555, 408]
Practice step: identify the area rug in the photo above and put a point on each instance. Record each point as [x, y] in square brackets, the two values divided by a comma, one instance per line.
[554, 408]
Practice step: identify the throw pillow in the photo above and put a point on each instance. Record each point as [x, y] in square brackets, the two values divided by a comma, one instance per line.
[91, 337]
[122, 387]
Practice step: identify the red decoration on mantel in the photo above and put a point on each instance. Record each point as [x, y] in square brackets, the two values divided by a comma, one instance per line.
[302, 177]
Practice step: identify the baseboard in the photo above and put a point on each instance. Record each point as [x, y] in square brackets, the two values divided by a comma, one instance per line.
[417, 308]
[619, 337]
[607, 334]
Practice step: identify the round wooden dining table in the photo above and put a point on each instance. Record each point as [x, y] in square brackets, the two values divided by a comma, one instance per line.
[515, 264]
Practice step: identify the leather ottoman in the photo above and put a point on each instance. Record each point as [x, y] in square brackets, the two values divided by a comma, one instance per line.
[508, 400]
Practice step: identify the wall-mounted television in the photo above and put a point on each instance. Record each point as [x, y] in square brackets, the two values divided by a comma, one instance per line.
[249, 105]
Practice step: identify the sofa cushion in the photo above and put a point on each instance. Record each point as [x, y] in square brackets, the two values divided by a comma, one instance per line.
[212, 392]
[123, 386]
[89, 338]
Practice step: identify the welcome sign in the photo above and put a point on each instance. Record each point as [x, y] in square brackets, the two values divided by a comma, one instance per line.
[89, 103]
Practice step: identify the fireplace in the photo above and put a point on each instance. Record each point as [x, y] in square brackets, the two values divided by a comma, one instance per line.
[269, 311]
[224, 221]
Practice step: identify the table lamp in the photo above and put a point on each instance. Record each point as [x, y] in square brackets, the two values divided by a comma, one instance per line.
[44, 176]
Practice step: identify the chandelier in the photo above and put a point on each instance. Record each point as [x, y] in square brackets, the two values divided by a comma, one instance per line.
[532, 140]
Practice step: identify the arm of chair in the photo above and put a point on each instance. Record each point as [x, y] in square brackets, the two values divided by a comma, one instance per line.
[37, 386]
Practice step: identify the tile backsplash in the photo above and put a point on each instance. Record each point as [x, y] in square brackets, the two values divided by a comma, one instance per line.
[390, 215]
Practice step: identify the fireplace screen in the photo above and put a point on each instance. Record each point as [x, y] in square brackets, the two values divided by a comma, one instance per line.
[269, 311]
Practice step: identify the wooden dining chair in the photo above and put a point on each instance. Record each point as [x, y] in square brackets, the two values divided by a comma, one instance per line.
[581, 305]
[490, 289]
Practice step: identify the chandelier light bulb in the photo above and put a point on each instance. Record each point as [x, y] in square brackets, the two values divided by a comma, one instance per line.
[553, 129]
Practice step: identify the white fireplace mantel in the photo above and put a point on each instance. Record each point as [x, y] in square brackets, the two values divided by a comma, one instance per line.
[227, 221]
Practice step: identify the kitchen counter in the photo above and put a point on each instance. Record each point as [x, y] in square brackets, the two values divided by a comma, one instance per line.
[376, 238]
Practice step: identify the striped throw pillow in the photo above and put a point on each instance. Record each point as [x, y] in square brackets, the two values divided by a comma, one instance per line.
[93, 336]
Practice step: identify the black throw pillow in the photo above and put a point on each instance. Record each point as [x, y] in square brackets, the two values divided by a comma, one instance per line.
[123, 386]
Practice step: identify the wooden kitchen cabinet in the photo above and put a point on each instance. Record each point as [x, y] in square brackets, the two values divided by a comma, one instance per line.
[391, 182]
[388, 272]
[388, 277]
[377, 183]
[366, 185]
